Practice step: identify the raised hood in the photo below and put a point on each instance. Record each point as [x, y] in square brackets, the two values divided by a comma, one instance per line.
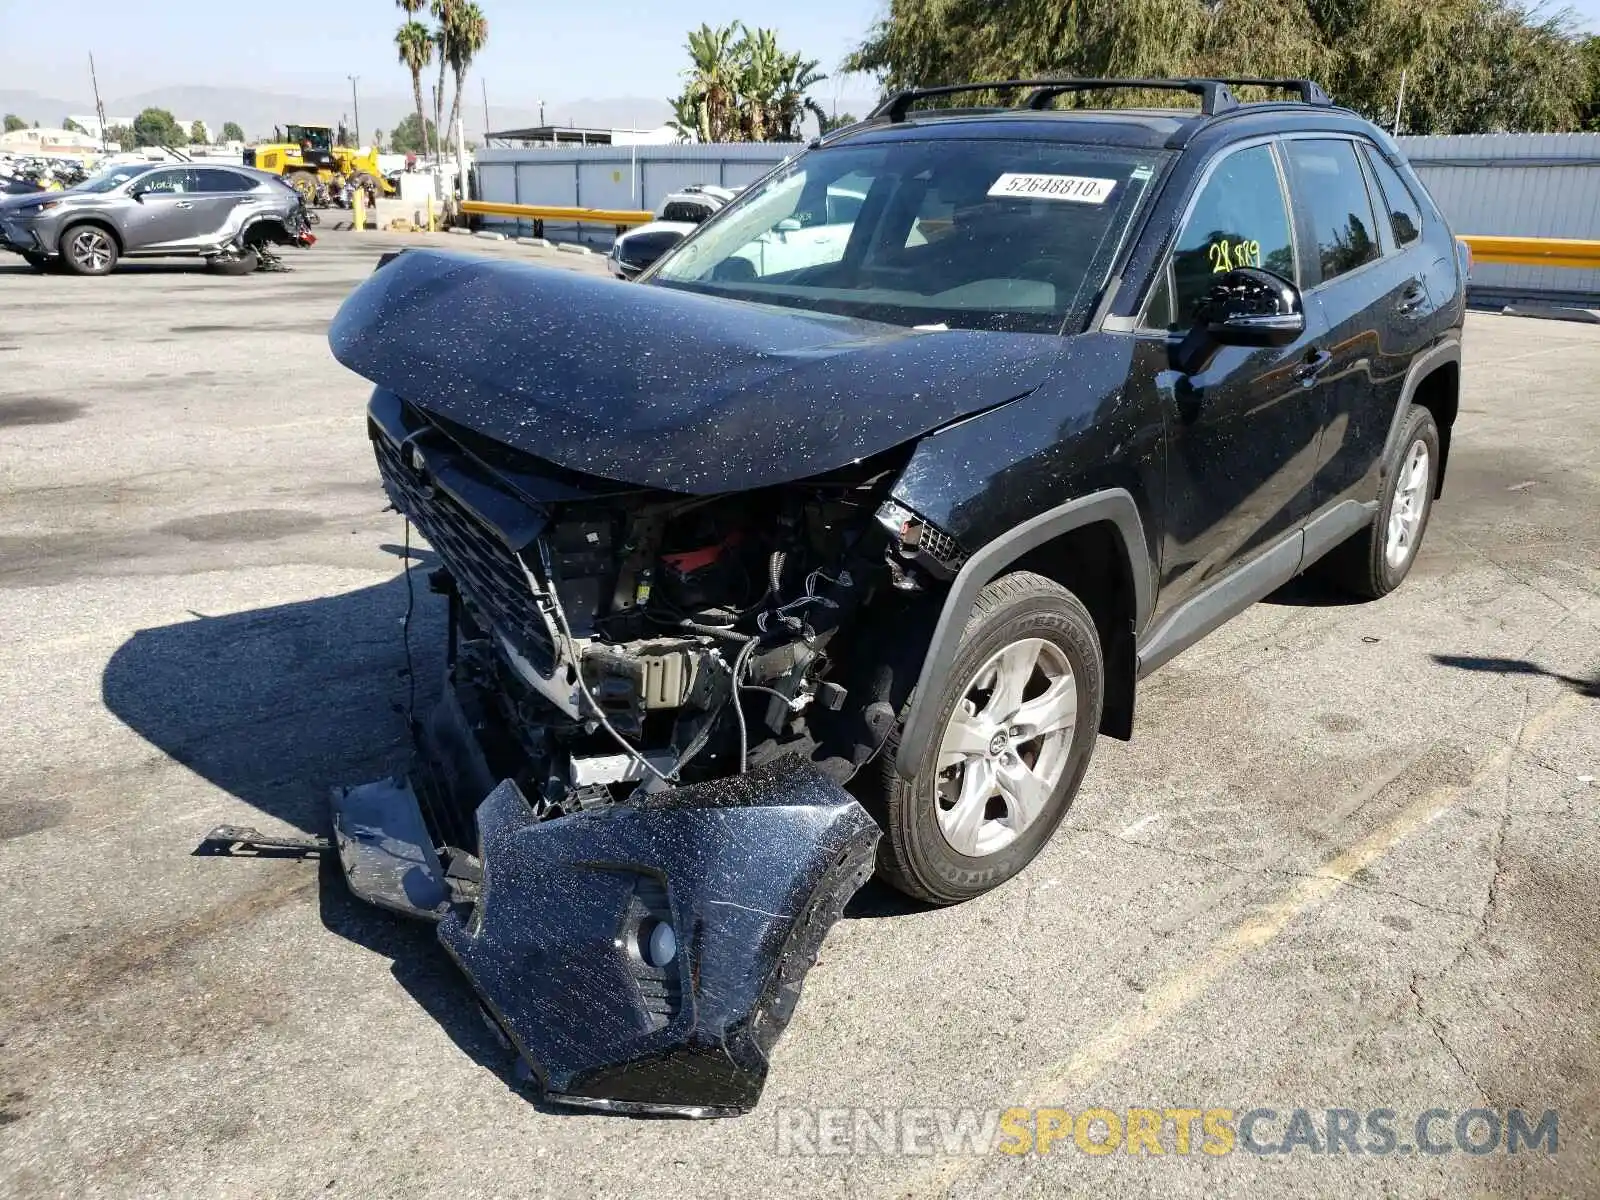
[663, 388]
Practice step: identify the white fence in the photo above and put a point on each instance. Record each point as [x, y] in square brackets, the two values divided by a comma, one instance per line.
[628, 177]
[1517, 185]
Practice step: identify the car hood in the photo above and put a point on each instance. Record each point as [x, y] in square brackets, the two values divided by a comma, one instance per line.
[662, 388]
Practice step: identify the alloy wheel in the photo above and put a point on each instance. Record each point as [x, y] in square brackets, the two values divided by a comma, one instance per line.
[1005, 747]
[1408, 507]
[91, 249]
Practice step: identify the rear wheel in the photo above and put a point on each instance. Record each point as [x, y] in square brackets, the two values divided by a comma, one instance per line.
[1017, 719]
[1376, 561]
[88, 250]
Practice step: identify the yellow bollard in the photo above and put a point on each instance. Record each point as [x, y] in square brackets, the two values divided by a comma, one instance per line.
[359, 203]
[432, 226]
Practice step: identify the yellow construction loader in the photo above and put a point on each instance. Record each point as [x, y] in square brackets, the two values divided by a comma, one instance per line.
[316, 168]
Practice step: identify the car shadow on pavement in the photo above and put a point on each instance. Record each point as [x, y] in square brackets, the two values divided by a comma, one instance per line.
[278, 705]
[1589, 688]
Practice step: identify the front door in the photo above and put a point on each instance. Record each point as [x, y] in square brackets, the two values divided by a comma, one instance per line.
[1243, 432]
[164, 211]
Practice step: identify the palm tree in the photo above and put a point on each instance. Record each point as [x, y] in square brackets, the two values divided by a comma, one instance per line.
[464, 38]
[713, 80]
[444, 16]
[799, 76]
[415, 45]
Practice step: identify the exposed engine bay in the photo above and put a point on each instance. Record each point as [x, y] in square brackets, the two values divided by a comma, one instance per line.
[640, 640]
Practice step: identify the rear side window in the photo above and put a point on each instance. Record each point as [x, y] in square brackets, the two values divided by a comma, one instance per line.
[176, 180]
[1330, 193]
[223, 181]
[1405, 215]
[1239, 219]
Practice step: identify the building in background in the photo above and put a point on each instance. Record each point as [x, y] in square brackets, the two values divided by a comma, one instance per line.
[553, 136]
[49, 142]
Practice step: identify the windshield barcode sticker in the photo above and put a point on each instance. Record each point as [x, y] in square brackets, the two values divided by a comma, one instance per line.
[1077, 188]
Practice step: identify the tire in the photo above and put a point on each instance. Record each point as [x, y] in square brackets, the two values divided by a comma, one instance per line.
[1377, 560]
[88, 250]
[939, 849]
[39, 262]
[305, 183]
[244, 263]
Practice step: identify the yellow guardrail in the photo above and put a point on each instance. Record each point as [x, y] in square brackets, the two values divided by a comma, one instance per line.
[1534, 252]
[554, 212]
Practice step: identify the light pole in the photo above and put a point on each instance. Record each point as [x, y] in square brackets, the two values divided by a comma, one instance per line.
[356, 103]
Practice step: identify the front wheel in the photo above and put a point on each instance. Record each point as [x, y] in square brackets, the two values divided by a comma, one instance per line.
[1017, 718]
[88, 250]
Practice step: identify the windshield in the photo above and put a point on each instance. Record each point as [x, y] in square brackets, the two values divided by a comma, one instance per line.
[311, 137]
[111, 177]
[964, 233]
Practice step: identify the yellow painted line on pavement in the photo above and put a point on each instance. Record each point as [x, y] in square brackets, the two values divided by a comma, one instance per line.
[1178, 990]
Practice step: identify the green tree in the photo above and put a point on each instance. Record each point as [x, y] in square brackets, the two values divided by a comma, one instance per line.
[72, 126]
[158, 127]
[1470, 65]
[1590, 115]
[415, 45]
[377, 140]
[409, 136]
[231, 132]
[14, 122]
[198, 133]
[123, 136]
[829, 124]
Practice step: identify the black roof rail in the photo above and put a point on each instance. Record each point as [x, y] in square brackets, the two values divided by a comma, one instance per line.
[1215, 94]
[1309, 90]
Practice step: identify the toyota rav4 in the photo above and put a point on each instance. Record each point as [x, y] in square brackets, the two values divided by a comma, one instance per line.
[778, 568]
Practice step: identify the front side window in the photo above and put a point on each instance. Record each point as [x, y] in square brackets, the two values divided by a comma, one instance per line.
[1405, 217]
[167, 182]
[976, 234]
[1331, 192]
[1239, 219]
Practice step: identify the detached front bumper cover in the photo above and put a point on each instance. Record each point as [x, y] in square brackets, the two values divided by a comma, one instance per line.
[641, 958]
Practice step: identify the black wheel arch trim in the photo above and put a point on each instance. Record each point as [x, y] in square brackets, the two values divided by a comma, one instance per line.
[1114, 505]
[1422, 366]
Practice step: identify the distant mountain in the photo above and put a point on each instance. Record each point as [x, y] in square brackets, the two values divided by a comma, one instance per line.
[257, 111]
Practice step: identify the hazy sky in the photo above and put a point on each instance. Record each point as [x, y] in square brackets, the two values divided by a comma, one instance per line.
[537, 49]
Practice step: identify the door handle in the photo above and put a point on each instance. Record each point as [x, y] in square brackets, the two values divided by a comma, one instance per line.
[1315, 363]
[184, 204]
[1411, 299]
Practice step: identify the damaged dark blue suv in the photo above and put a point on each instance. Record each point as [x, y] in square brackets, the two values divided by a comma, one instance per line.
[835, 543]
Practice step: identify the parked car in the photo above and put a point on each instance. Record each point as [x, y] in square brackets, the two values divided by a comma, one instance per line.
[761, 572]
[677, 216]
[230, 216]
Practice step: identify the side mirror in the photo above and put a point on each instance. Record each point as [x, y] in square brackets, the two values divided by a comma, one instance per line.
[789, 225]
[136, 193]
[1247, 307]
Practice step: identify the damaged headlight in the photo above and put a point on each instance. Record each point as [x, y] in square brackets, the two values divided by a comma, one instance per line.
[915, 542]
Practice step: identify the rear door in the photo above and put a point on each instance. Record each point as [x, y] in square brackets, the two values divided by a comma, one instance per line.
[218, 193]
[1367, 273]
[1242, 433]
